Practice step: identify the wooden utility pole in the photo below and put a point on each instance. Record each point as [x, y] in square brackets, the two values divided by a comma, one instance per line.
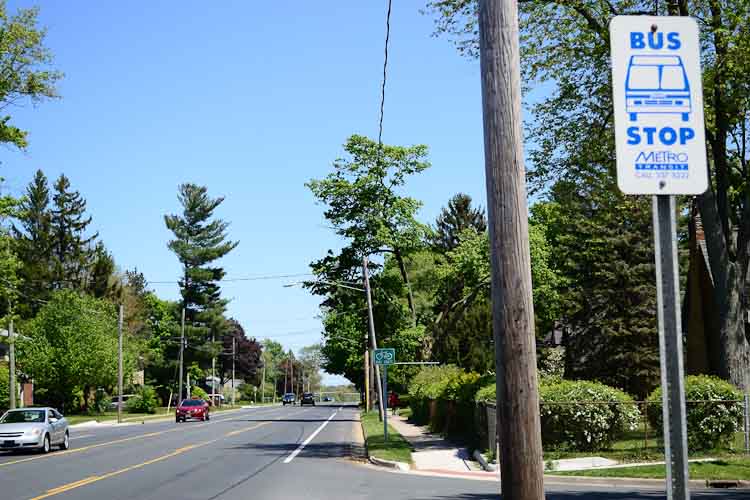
[263, 385]
[521, 466]
[233, 356]
[182, 349]
[373, 339]
[119, 366]
[13, 391]
[286, 371]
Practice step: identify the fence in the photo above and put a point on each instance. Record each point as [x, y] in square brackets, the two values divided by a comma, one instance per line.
[644, 441]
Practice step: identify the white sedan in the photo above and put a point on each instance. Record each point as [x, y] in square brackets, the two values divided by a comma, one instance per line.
[33, 429]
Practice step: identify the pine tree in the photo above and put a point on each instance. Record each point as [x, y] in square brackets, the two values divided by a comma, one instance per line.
[454, 219]
[199, 240]
[102, 280]
[34, 241]
[603, 248]
[71, 249]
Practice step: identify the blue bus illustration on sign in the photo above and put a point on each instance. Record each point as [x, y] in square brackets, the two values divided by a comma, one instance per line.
[657, 84]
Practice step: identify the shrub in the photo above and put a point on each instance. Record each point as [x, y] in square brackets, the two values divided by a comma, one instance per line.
[4, 391]
[584, 425]
[144, 401]
[485, 394]
[710, 422]
[198, 393]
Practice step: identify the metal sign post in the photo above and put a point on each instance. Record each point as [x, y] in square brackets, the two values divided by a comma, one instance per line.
[385, 403]
[670, 347]
[661, 151]
[384, 357]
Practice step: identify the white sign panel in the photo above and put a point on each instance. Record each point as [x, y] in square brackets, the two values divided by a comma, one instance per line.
[658, 105]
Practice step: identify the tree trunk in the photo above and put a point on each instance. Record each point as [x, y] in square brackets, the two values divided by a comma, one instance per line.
[405, 276]
[734, 359]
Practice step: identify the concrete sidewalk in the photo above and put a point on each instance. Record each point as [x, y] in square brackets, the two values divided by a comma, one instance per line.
[432, 451]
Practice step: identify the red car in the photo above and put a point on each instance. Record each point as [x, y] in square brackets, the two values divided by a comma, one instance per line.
[192, 408]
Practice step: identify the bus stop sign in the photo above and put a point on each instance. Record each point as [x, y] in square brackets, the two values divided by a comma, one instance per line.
[658, 105]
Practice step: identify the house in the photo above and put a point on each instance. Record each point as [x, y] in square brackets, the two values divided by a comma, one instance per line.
[700, 312]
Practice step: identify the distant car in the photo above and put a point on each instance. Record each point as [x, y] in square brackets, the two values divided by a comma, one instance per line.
[192, 408]
[289, 399]
[114, 402]
[328, 399]
[307, 399]
[33, 428]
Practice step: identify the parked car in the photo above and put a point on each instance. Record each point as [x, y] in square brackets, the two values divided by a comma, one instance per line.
[289, 399]
[328, 399]
[125, 397]
[215, 398]
[33, 429]
[192, 408]
[307, 399]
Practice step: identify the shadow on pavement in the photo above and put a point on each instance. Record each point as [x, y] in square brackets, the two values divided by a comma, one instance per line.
[312, 450]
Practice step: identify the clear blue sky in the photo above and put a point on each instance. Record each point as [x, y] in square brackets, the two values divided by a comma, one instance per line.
[252, 100]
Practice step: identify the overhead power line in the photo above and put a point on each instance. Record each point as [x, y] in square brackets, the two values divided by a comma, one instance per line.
[385, 74]
[229, 280]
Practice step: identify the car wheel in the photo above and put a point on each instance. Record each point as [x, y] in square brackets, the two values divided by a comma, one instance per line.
[208, 416]
[46, 444]
[66, 442]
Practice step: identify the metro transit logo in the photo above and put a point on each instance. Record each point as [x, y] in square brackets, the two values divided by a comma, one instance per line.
[657, 84]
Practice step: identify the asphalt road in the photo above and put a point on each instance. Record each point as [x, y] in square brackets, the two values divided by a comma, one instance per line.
[260, 453]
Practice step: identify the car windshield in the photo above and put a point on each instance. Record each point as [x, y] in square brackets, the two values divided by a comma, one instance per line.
[23, 416]
[192, 402]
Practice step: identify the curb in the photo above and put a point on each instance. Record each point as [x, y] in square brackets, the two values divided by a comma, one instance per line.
[486, 466]
[388, 463]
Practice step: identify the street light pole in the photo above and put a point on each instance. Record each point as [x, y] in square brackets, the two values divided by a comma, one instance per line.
[518, 421]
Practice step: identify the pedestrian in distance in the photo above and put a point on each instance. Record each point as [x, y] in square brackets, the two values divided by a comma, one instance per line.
[393, 401]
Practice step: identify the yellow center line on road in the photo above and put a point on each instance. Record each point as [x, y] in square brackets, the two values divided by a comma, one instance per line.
[100, 445]
[93, 479]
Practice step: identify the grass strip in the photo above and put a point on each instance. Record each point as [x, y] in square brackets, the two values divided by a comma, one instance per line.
[732, 468]
[397, 448]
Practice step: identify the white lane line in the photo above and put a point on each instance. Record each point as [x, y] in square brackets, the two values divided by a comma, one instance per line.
[307, 441]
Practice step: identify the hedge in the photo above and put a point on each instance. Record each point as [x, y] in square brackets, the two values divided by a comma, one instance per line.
[443, 397]
[714, 411]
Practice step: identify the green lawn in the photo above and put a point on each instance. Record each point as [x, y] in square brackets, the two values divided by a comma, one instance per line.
[397, 448]
[642, 445]
[110, 416]
[733, 468]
